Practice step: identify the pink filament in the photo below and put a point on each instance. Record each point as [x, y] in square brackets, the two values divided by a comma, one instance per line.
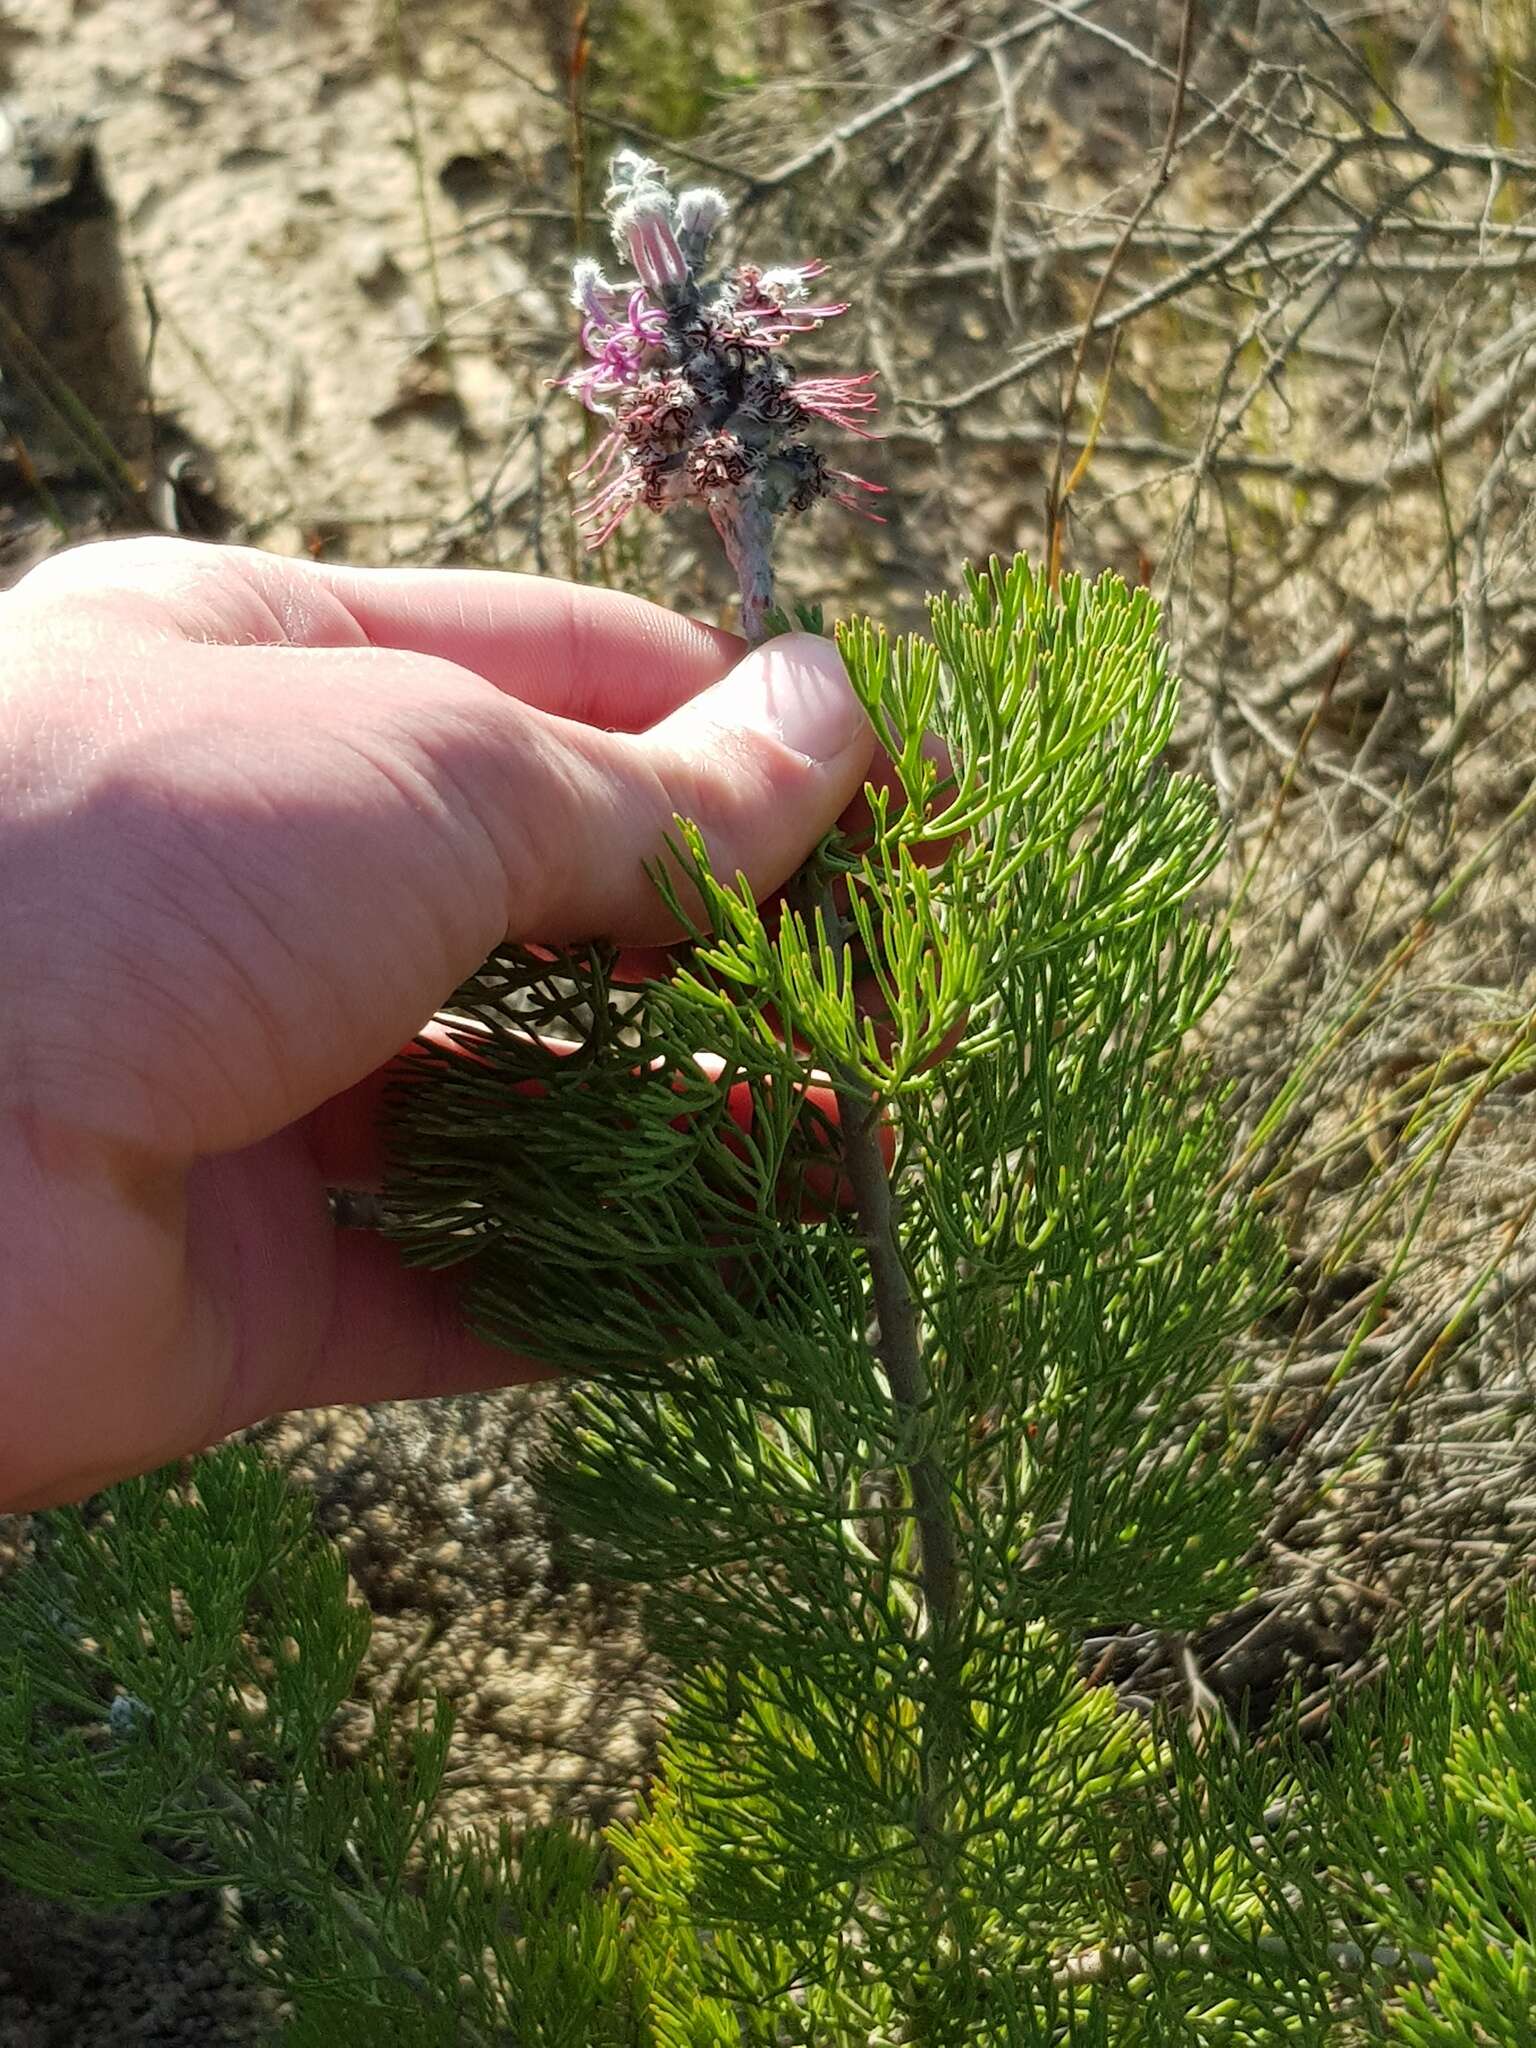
[838, 399]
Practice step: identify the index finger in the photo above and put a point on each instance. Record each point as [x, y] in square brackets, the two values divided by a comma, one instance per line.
[598, 656]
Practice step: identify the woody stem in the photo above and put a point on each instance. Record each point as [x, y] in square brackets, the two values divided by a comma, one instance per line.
[745, 527]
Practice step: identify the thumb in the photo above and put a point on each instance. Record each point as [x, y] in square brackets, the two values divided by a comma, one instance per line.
[762, 762]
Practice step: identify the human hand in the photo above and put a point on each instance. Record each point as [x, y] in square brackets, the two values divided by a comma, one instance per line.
[258, 819]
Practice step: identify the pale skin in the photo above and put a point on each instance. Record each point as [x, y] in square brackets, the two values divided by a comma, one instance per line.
[258, 818]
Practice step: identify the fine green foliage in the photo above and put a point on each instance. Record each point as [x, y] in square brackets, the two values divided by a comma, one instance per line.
[886, 1235]
[1437, 1852]
[1376, 1890]
[878, 1468]
[170, 1671]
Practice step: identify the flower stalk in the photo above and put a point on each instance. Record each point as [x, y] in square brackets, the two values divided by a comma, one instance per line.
[704, 407]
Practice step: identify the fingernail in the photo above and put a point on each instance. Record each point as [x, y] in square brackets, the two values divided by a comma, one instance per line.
[796, 690]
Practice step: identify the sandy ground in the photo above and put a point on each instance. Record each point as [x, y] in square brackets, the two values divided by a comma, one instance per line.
[272, 230]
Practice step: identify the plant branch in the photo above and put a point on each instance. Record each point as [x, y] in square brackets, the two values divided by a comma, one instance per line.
[1066, 340]
[1061, 486]
[837, 139]
[745, 528]
[897, 1344]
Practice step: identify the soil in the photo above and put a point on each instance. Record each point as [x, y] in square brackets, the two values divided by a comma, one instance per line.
[260, 167]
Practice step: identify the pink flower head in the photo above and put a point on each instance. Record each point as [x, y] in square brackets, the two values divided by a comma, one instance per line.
[643, 216]
[687, 370]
